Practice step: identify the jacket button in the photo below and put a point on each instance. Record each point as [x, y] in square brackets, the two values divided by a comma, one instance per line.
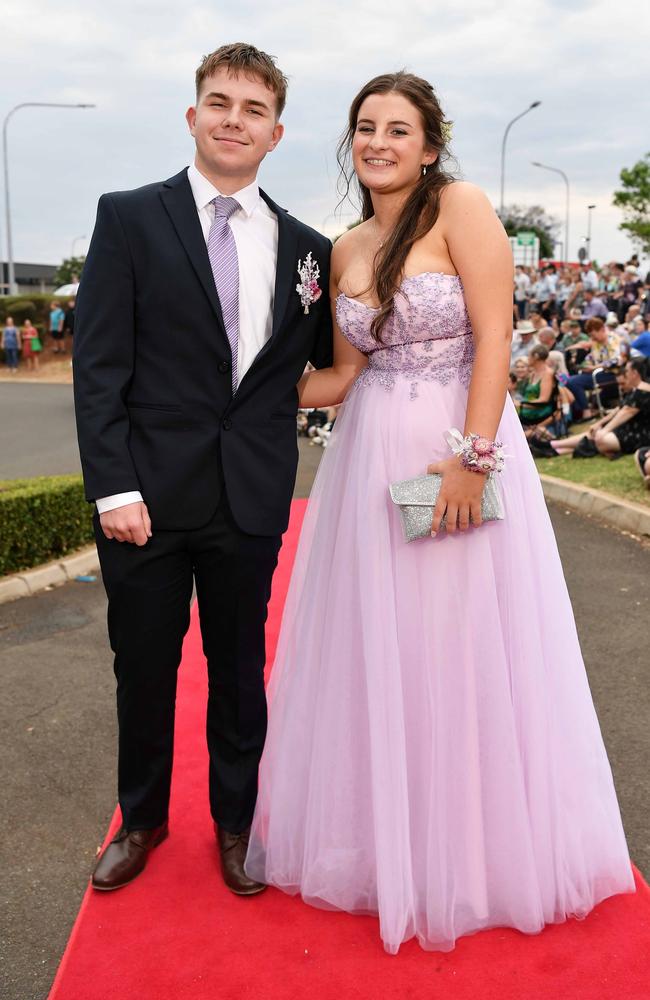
[227, 424]
[224, 367]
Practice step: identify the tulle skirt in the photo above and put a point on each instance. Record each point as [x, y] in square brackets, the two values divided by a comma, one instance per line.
[433, 753]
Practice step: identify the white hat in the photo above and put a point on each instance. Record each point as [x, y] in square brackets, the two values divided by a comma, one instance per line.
[612, 319]
[525, 326]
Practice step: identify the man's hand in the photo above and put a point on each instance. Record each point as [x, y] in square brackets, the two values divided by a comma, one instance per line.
[130, 523]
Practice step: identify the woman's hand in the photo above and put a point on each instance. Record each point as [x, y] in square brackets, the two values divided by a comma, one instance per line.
[460, 495]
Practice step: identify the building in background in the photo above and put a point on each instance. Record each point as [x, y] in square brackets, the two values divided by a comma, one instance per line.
[29, 278]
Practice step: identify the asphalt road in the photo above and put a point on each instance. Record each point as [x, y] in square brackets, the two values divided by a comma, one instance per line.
[57, 715]
[37, 430]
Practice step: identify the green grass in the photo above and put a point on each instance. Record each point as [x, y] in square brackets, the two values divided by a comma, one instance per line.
[621, 477]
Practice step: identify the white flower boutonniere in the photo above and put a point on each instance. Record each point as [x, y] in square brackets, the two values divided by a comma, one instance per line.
[309, 290]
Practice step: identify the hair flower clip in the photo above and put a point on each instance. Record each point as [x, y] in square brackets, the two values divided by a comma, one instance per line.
[446, 131]
[309, 290]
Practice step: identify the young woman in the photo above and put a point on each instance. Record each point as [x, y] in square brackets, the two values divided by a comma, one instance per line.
[433, 753]
[539, 391]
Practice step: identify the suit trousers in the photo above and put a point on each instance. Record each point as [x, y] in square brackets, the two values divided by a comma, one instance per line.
[149, 592]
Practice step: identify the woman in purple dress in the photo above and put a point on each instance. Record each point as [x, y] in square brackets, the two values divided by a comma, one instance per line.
[433, 754]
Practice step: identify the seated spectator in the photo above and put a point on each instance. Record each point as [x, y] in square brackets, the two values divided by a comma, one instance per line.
[632, 284]
[524, 341]
[537, 320]
[547, 337]
[621, 432]
[604, 352]
[520, 368]
[559, 426]
[570, 333]
[588, 277]
[641, 337]
[575, 300]
[539, 392]
[593, 306]
[521, 292]
[544, 292]
[563, 291]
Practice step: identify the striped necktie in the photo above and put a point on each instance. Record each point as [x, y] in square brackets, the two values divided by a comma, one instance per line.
[222, 251]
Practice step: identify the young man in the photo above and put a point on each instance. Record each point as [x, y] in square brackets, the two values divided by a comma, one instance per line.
[190, 338]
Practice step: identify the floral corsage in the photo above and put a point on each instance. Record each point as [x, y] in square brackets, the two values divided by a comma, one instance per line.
[477, 454]
[309, 290]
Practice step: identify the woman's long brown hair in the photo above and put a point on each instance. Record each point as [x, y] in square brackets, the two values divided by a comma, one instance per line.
[423, 204]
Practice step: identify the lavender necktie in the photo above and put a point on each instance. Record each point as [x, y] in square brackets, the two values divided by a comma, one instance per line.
[222, 251]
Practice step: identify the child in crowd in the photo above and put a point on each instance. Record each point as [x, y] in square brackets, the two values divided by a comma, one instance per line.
[11, 345]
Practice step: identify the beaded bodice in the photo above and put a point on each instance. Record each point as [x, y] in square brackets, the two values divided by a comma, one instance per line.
[428, 335]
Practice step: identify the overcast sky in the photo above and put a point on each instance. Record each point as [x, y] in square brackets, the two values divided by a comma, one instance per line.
[586, 61]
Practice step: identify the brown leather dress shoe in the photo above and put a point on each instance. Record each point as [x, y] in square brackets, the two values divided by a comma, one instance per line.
[232, 849]
[126, 856]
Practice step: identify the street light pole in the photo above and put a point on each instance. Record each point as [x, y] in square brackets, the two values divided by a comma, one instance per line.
[556, 170]
[589, 210]
[5, 157]
[74, 242]
[535, 104]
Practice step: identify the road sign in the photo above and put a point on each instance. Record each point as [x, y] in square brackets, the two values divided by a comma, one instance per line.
[525, 239]
[525, 251]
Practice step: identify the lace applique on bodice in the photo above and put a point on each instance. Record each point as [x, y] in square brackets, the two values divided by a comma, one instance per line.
[427, 337]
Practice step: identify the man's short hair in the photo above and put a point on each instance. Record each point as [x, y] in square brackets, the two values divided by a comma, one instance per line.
[239, 57]
[595, 323]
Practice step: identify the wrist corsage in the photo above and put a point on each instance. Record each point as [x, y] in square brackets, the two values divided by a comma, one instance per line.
[477, 454]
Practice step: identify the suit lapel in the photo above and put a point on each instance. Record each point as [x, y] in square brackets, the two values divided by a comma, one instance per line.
[176, 195]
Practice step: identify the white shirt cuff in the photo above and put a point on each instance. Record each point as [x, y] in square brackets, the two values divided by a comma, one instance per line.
[105, 504]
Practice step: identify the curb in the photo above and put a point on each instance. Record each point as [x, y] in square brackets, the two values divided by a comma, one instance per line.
[622, 514]
[31, 581]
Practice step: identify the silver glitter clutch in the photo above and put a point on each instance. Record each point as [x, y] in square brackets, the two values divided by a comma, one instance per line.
[417, 497]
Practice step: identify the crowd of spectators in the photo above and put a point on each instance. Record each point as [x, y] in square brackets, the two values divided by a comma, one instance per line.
[28, 344]
[581, 349]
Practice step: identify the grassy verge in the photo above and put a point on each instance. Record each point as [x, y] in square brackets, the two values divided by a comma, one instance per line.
[621, 477]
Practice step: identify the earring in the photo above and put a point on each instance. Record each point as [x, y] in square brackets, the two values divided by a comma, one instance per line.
[424, 169]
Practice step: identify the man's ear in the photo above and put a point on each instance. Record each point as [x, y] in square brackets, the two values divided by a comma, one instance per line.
[278, 132]
[190, 118]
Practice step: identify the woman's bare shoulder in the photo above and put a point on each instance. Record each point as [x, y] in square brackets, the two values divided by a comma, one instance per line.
[461, 195]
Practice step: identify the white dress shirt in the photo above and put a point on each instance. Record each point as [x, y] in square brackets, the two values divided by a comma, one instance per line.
[255, 228]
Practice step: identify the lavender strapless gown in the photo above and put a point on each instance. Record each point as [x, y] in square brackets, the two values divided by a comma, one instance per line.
[433, 753]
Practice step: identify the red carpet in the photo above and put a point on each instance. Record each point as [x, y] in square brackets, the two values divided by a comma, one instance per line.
[177, 934]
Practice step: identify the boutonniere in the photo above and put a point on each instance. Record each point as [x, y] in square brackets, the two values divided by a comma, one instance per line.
[309, 290]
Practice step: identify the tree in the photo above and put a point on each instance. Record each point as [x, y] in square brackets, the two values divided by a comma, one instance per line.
[634, 200]
[518, 218]
[69, 271]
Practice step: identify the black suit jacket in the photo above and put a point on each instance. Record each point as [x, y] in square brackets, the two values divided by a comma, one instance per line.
[152, 366]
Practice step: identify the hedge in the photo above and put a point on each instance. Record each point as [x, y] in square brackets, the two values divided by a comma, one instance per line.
[42, 519]
[35, 307]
